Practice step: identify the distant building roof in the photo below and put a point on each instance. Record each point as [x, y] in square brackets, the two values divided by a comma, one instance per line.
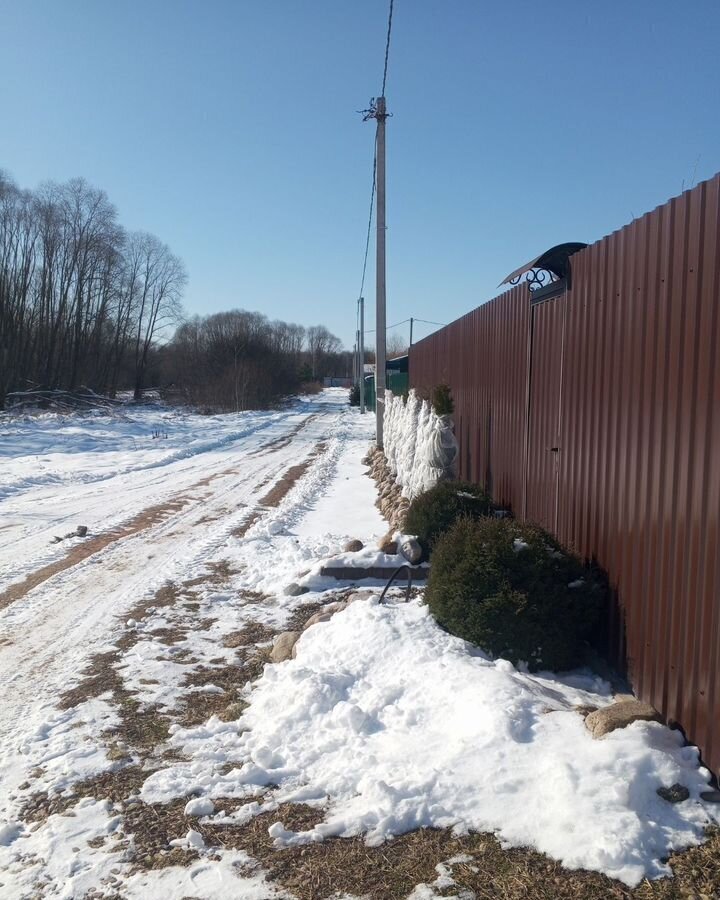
[399, 364]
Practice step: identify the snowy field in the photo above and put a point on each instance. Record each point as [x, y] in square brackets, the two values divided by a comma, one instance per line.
[135, 686]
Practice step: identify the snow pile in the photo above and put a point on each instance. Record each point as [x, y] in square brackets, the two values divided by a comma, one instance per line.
[420, 446]
[392, 724]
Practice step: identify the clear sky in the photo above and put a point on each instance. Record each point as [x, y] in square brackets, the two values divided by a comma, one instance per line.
[229, 129]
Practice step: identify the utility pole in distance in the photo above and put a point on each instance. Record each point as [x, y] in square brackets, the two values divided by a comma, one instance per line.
[411, 325]
[361, 354]
[380, 116]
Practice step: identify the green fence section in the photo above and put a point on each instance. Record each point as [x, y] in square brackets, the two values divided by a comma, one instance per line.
[397, 382]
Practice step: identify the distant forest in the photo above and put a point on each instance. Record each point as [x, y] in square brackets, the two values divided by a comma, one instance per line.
[86, 304]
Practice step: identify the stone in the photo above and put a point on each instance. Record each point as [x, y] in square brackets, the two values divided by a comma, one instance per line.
[674, 794]
[387, 544]
[411, 550]
[353, 546]
[283, 646]
[620, 715]
[294, 589]
[81, 530]
[325, 614]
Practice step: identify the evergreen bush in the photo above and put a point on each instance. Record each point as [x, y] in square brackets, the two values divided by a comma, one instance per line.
[434, 511]
[442, 401]
[511, 589]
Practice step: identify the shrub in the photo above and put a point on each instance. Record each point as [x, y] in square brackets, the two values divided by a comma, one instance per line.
[442, 401]
[434, 511]
[514, 591]
[355, 395]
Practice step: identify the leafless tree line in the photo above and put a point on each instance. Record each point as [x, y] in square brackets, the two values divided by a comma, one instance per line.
[81, 300]
[240, 360]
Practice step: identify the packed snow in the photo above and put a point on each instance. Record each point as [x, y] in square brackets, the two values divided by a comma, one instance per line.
[383, 721]
[391, 724]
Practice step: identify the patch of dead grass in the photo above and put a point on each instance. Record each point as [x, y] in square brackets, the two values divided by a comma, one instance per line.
[319, 871]
[197, 706]
[101, 677]
[250, 634]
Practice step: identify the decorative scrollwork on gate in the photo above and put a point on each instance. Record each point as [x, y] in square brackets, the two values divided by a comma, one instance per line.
[535, 278]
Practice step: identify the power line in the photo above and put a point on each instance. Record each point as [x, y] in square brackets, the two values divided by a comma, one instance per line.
[428, 322]
[369, 228]
[387, 49]
[374, 175]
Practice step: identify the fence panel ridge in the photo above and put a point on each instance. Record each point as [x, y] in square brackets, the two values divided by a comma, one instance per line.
[624, 367]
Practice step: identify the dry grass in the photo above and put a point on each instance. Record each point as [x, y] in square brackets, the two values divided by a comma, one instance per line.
[250, 634]
[100, 678]
[198, 706]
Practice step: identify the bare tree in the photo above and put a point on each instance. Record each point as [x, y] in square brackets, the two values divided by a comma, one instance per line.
[396, 345]
[162, 279]
[321, 345]
[77, 295]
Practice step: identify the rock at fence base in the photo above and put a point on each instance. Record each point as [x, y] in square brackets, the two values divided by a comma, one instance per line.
[674, 794]
[81, 530]
[283, 646]
[326, 613]
[353, 546]
[585, 711]
[620, 715]
[294, 589]
[388, 545]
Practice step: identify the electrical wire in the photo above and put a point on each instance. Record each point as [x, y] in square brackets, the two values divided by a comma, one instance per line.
[428, 322]
[370, 218]
[387, 49]
[374, 173]
[390, 327]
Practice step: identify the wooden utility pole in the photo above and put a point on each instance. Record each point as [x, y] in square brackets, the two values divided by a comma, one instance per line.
[361, 354]
[380, 116]
[411, 325]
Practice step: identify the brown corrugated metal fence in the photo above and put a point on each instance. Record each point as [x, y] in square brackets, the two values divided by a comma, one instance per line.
[597, 414]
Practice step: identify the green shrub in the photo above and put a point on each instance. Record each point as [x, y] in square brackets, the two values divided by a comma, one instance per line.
[434, 511]
[514, 591]
[442, 401]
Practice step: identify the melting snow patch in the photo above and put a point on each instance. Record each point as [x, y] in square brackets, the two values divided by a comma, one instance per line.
[392, 724]
[200, 806]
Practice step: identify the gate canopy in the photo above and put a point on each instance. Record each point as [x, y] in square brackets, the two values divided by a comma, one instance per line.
[554, 260]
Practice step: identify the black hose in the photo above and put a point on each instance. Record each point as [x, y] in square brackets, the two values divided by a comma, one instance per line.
[394, 575]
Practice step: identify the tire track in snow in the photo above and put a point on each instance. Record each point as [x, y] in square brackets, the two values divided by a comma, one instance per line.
[65, 618]
[116, 503]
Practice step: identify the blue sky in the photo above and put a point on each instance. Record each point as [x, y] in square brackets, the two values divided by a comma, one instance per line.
[229, 129]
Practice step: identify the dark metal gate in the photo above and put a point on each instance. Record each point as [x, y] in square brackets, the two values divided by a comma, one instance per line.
[547, 336]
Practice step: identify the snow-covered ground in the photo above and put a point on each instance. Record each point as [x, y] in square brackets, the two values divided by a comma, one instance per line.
[383, 723]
